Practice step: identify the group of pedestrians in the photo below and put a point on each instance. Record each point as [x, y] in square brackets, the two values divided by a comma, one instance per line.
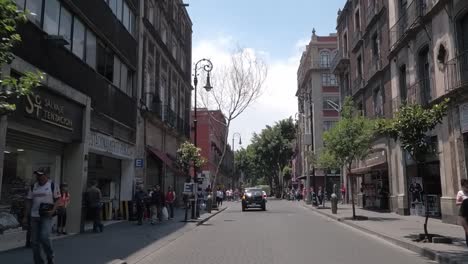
[154, 204]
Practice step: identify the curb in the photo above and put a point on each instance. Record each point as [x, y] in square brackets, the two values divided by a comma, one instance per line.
[431, 254]
[211, 216]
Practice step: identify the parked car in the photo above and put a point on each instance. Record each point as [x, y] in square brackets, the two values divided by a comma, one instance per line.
[254, 198]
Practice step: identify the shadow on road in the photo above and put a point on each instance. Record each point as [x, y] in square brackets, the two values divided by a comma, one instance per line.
[116, 242]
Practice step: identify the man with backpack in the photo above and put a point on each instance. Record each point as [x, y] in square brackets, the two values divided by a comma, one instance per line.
[41, 204]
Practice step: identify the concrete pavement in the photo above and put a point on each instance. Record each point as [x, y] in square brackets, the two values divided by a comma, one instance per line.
[402, 230]
[124, 240]
[285, 233]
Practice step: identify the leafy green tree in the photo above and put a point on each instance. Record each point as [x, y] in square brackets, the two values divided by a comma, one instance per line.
[349, 140]
[410, 126]
[273, 150]
[189, 155]
[11, 88]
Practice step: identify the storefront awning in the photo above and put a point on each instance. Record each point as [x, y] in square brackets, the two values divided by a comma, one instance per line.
[363, 170]
[162, 156]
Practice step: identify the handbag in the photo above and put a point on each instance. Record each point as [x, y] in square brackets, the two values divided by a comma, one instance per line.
[165, 213]
[45, 208]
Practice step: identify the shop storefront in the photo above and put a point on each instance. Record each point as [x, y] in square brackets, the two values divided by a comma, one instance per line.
[424, 185]
[372, 181]
[111, 165]
[38, 133]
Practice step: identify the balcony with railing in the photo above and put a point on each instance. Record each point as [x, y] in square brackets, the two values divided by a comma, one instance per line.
[320, 65]
[375, 67]
[340, 62]
[421, 92]
[407, 23]
[356, 40]
[170, 116]
[358, 84]
[456, 72]
[374, 9]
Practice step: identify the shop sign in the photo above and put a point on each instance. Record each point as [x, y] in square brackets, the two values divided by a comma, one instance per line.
[376, 158]
[464, 117]
[188, 188]
[50, 112]
[103, 143]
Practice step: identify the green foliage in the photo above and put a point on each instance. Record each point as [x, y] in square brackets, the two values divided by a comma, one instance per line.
[327, 160]
[410, 125]
[287, 173]
[11, 88]
[187, 155]
[351, 138]
[270, 151]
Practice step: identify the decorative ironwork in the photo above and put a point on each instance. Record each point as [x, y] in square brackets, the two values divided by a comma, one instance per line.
[456, 72]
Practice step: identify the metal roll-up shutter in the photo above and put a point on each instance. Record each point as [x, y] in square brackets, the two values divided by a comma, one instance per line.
[17, 139]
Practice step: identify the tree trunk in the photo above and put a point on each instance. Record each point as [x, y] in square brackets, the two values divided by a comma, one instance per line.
[352, 180]
[218, 167]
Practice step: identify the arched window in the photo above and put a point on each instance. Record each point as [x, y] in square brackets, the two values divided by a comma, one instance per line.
[324, 59]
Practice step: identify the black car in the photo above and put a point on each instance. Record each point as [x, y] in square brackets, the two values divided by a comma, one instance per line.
[254, 198]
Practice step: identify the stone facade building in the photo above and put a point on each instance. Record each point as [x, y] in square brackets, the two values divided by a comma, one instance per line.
[318, 102]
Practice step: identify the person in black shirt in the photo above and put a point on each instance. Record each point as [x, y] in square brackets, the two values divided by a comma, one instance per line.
[464, 218]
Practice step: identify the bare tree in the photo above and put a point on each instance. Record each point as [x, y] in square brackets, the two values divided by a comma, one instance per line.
[237, 85]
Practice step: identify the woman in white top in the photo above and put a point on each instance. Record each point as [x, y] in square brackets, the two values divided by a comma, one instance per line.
[463, 193]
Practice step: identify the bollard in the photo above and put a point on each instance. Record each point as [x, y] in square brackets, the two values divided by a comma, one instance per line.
[334, 203]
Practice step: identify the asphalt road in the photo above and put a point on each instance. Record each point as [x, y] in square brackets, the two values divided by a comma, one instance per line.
[285, 233]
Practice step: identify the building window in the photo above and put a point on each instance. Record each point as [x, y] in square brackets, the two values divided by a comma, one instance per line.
[325, 79]
[327, 125]
[357, 20]
[118, 9]
[150, 11]
[164, 32]
[123, 13]
[174, 47]
[375, 46]
[403, 87]
[91, 49]
[329, 102]
[65, 29]
[345, 44]
[116, 76]
[51, 17]
[35, 11]
[424, 76]
[359, 67]
[324, 59]
[78, 38]
[378, 102]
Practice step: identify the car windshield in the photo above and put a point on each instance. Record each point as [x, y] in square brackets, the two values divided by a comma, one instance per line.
[254, 192]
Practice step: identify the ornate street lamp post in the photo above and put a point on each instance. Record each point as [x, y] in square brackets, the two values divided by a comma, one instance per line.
[207, 66]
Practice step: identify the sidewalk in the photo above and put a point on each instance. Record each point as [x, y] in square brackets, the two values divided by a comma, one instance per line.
[121, 240]
[401, 230]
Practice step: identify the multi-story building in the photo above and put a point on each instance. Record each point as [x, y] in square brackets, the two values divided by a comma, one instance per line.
[364, 74]
[319, 97]
[80, 124]
[211, 135]
[166, 91]
[428, 54]
[421, 51]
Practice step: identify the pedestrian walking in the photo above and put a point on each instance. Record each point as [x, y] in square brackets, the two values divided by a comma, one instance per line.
[463, 193]
[343, 194]
[41, 204]
[463, 216]
[94, 201]
[320, 195]
[140, 198]
[170, 199]
[64, 200]
[157, 202]
[219, 197]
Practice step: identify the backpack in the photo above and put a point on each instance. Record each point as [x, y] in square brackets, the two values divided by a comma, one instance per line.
[52, 189]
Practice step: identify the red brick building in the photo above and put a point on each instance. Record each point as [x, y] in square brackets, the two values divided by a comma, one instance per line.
[211, 136]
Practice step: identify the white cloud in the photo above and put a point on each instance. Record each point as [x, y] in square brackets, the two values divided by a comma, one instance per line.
[278, 100]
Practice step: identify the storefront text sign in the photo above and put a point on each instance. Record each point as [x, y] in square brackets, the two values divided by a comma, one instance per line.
[48, 110]
[106, 144]
[464, 117]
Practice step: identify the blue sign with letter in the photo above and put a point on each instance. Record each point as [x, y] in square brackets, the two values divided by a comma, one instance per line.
[139, 163]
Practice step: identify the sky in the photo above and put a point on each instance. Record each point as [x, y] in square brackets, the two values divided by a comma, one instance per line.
[277, 31]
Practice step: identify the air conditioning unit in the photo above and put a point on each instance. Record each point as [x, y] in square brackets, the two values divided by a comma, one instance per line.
[307, 139]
